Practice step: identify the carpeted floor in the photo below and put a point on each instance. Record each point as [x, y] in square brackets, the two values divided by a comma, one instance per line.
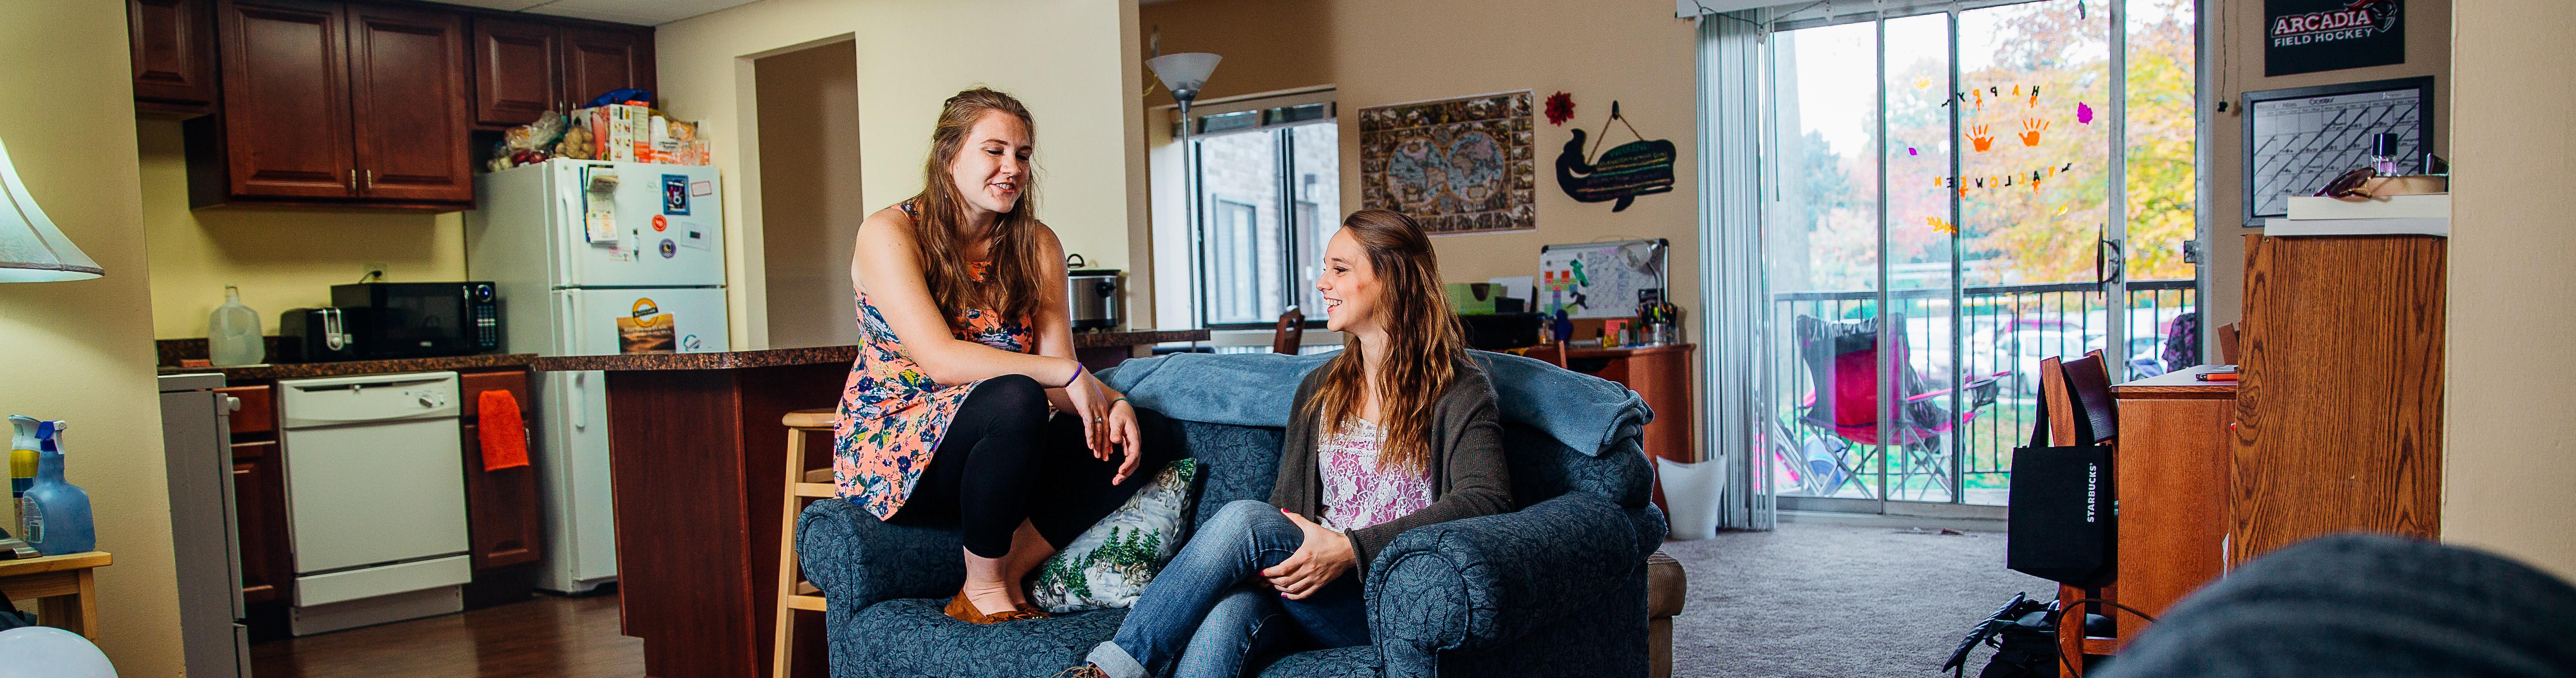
[1845, 601]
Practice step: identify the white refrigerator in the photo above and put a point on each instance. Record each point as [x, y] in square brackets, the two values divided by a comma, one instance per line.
[595, 258]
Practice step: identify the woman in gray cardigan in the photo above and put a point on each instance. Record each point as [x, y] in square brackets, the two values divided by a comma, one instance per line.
[1397, 432]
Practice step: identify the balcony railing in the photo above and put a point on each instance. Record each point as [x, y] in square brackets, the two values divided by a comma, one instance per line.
[1999, 332]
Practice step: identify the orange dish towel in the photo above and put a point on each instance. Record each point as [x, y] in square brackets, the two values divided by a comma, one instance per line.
[504, 433]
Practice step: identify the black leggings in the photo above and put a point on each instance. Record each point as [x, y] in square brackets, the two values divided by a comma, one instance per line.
[1003, 460]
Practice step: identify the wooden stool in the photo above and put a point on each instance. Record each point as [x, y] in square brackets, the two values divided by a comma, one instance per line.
[64, 588]
[802, 486]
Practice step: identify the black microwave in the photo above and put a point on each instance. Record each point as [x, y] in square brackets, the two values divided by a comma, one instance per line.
[421, 319]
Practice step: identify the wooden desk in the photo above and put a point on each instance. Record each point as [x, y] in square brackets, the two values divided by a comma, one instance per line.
[2171, 475]
[64, 588]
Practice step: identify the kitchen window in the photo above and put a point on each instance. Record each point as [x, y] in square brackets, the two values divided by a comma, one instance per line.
[1264, 175]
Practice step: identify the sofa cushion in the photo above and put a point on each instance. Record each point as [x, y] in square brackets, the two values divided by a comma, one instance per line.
[911, 637]
[1238, 462]
[1358, 661]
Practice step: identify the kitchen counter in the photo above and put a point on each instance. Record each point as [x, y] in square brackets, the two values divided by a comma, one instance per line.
[696, 437]
[269, 371]
[1085, 344]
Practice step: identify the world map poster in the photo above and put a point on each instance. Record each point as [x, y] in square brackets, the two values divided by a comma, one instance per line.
[1454, 165]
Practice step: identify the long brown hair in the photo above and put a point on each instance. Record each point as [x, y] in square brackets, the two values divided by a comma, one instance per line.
[1424, 343]
[1011, 284]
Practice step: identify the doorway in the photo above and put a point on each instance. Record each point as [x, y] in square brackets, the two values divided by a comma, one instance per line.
[810, 206]
[1959, 192]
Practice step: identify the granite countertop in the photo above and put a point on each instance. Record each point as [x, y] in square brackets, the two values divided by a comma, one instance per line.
[267, 371]
[736, 360]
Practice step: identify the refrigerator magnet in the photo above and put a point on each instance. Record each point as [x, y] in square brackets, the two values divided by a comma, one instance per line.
[702, 188]
[669, 248]
[661, 223]
[693, 238]
[675, 194]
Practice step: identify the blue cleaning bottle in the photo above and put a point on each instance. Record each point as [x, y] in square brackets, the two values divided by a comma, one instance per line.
[58, 520]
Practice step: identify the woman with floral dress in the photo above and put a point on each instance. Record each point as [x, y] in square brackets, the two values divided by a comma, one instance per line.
[966, 406]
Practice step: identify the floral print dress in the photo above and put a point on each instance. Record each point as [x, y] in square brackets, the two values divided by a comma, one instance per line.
[892, 416]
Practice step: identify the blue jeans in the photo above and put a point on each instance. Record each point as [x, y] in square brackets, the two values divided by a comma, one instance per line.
[1208, 611]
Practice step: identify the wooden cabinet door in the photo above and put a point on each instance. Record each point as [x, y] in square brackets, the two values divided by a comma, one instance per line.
[286, 99]
[598, 61]
[501, 511]
[407, 104]
[259, 507]
[173, 45]
[515, 76]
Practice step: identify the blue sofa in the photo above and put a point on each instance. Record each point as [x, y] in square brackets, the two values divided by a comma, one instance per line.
[1556, 588]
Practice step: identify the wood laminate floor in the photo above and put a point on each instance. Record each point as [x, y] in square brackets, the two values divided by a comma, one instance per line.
[550, 636]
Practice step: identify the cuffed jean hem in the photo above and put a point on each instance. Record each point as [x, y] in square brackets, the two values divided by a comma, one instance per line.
[1115, 662]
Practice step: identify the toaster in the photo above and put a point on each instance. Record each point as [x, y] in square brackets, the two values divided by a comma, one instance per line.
[319, 334]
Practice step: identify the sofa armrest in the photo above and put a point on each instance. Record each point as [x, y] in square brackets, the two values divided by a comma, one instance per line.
[1482, 582]
[858, 560]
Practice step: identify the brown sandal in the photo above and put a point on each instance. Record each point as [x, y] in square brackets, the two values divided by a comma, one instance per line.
[961, 609]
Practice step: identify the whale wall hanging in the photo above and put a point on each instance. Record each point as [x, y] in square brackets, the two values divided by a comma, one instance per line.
[1641, 167]
[1454, 165]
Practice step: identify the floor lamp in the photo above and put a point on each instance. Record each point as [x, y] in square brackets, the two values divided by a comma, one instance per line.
[1184, 74]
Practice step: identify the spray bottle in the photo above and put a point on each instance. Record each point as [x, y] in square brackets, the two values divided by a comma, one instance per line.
[56, 512]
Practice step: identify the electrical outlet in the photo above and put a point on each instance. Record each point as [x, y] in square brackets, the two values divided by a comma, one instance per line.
[371, 271]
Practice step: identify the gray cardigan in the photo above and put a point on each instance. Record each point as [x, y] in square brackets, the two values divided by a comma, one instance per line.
[1468, 475]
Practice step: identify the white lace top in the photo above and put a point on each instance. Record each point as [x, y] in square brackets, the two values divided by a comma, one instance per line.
[1356, 493]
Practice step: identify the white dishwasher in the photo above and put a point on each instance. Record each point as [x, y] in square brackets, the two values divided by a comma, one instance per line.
[375, 495]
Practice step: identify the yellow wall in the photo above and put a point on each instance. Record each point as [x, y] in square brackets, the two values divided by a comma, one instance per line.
[1064, 58]
[82, 351]
[2509, 450]
[2237, 47]
[281, 259]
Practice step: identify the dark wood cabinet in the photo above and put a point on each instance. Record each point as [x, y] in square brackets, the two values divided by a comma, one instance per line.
[173, 45]
[516, 72]
[501, 510]
[286, 100]
[259, 495]
[597, 61]
[361, 104]
[407, 104]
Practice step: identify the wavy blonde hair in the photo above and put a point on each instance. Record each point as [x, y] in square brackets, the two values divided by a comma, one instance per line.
[1424, 342]
[1011, 280]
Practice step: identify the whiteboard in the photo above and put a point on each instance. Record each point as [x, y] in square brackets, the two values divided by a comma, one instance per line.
[1599, 279]
[2298, 140]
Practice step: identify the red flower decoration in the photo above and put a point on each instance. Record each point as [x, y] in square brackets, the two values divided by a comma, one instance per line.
[1560, 108]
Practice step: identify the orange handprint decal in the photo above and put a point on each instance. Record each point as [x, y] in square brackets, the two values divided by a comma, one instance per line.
[1979, 136]
[2030, 129]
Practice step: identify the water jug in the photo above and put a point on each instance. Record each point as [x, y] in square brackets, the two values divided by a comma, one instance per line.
[232, 333]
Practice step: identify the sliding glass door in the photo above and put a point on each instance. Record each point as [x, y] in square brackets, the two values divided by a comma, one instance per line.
[1946, 211]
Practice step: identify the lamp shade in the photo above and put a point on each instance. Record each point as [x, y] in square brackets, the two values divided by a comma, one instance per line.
[31, 249]
[1183, 73]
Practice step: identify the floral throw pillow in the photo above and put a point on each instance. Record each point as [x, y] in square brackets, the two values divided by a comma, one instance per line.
[1110, 564]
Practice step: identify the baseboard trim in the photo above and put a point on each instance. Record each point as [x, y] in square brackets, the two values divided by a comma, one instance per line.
[1893, 521]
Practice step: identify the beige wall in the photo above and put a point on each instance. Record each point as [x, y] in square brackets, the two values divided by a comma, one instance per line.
[280, 259]
[1066, 59]
[82, 351]
[1379, 53]
[1376, 53]
[2509, 450]
[809, 203]
[2237, 46]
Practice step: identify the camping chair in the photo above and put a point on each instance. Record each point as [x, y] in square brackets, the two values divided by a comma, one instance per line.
[1841, 415]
